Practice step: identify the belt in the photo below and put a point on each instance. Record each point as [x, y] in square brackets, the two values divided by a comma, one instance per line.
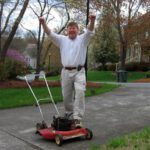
[72, 68]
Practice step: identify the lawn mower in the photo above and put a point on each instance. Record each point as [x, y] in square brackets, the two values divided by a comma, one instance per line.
[63, 127]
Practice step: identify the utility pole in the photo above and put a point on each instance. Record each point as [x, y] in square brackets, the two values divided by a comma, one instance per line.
[87, 21]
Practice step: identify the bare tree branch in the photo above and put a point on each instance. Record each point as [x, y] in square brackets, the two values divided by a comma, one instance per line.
[33, 11]
[13, 32]
[32, 33]
[8, 17]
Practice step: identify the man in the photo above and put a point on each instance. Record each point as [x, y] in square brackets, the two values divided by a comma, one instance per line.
[73, 48]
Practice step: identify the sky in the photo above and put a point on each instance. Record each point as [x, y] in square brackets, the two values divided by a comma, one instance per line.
[30, 21]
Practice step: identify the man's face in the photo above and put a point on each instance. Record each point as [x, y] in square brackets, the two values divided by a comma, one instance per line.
[72, 32]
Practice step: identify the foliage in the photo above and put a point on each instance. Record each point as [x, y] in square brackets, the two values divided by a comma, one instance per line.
[105, 43]
[54, 71]
[16, 55]
[137, 66]
[11, 68]
[3, 72]
[76, 5]
[124, 12]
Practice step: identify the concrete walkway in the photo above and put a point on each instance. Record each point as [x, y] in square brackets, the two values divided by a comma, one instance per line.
[124, 110]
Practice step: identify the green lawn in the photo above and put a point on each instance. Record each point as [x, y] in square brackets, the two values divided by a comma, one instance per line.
[134, 141]
[10, 98]
[111, 76]
[22, 97]
[108, 76]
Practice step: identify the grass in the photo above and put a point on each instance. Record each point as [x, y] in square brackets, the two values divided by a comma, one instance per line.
[53, 78]
[111, 76]
[11, 98]
[132, 76]
[101, 76]
[108, 76]
[134, 141]
[22, 97]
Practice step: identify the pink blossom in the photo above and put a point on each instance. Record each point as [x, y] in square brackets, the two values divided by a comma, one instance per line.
[11, 53]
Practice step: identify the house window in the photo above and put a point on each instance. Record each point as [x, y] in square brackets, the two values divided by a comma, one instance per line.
[146, 34]
[145, 58]
[128, 52]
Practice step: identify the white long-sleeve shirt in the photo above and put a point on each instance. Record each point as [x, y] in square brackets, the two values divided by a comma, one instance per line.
[73, 52]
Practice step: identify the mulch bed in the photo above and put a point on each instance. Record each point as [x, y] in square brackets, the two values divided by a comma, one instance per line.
[145, 80]
[37, 83]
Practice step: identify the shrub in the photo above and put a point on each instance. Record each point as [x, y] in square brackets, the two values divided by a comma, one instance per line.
[108, 67]
[17, 68]
[16, 55]
[111, 67]
[11, 68]
[54, 71]
[3, 72]
[137, 66]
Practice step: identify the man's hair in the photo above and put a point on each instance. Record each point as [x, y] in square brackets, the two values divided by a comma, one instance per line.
[70, 24]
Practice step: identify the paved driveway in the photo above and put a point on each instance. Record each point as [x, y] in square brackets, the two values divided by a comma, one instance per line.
[124, 110]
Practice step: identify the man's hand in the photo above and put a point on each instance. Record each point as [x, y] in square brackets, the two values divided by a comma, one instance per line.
[91, 22]
[92, 17]
[42, 20]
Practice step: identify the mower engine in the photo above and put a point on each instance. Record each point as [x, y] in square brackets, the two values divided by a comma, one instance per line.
[62, 123]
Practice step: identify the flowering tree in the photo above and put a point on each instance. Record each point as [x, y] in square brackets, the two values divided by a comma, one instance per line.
[14, 54]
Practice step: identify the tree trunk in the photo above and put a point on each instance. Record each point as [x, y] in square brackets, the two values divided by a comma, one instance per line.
[122, 56]
[1, 11]
[38, 66]
[122, 45]
[13, 32]
[104, 66]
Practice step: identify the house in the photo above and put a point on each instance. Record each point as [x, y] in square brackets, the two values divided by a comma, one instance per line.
[30, 55]
[51, 58]
[30, 61]
[138, 40]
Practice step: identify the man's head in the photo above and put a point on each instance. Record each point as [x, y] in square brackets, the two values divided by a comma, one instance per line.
[72, 30]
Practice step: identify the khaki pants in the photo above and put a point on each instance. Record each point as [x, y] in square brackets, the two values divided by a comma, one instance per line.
[73, 90]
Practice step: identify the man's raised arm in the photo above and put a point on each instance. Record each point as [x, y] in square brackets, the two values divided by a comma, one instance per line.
[91, 22]
[45, 27]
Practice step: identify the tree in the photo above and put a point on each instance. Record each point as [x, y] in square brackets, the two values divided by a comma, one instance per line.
[44, 9]
[4, 48]
[105, 43]
[125, 11]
